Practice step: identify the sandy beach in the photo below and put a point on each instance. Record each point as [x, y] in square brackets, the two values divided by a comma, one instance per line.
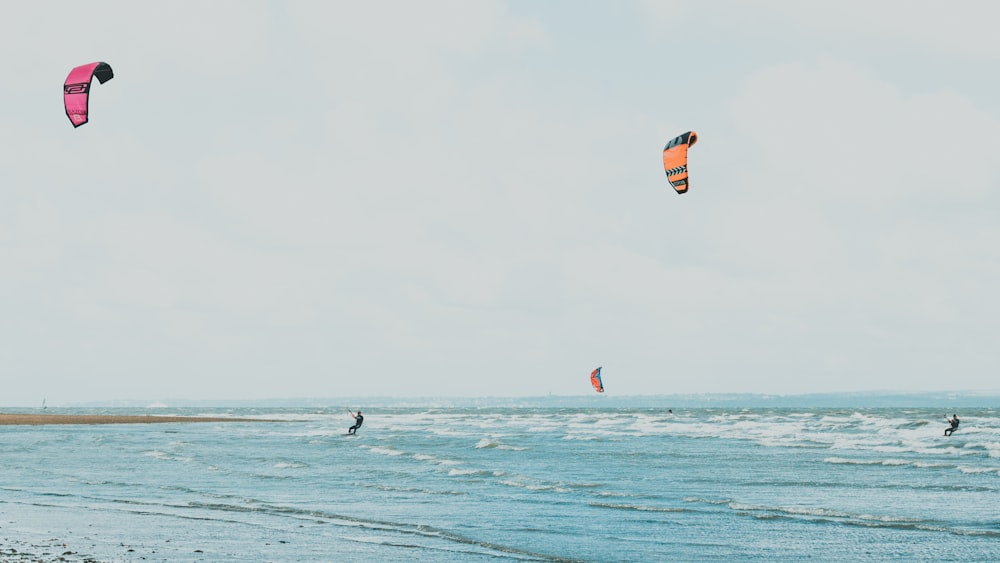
[37, 419]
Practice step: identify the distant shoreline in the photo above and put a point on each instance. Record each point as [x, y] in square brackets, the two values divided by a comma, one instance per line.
[8, 419]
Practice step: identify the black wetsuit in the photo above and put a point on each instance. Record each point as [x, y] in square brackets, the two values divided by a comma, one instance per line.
[357, 424]
[954, 427]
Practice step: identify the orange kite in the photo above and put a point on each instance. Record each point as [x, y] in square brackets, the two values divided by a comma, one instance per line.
[675, 160]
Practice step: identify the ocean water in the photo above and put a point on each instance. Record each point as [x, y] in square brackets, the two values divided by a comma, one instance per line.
[508, 484]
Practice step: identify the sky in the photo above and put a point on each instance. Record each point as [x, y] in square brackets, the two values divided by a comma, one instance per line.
[455, 198]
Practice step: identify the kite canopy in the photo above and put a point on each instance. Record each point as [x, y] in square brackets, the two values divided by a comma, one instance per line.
[595, 380]
[675, 160]
[76, 90]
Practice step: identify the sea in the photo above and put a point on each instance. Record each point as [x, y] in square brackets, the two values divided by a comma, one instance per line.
[506, 481]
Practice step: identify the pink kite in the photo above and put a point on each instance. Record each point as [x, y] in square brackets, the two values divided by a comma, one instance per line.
[76, 90]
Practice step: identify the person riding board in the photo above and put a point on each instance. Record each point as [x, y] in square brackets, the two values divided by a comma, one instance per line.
[357, 424]
[954, 425]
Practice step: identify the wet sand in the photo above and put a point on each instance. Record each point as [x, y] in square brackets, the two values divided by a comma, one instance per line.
[41, 552]
[37, 419]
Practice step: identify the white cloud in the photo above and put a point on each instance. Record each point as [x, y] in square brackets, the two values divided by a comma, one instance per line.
[834, 131]
[161, 40]
[960, 28]
[867, 213]
[964, 28]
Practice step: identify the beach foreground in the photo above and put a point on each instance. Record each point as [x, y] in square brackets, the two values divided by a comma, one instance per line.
[502, 484]
[7, 419]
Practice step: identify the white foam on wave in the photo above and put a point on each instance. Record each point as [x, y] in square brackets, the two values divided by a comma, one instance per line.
[700, 500]
[582, 437]
[434, 460]
[821, 512]
[618, 494]
[891, 436]
[448, 424]
[157, 454]
[493, 443]
[795, 510]
[976, 447]
[845, 461]
[892, 449]
[384, 450]
[992, 449]
[451, 433]
[657, 425]
[977, 470]
[486, 443]
[462, 472]
[885, 462]
[533, 486]
[635, 507]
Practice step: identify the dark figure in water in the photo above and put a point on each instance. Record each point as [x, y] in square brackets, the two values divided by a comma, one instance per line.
[954, 425]
[357, 424]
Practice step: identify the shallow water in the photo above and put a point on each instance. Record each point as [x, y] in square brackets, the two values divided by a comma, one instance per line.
[487, 484]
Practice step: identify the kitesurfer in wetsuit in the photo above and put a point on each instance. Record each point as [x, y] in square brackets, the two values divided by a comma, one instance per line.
[954, 425]
[357, 424]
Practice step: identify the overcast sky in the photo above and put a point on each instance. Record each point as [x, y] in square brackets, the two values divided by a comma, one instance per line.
[320, 199]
